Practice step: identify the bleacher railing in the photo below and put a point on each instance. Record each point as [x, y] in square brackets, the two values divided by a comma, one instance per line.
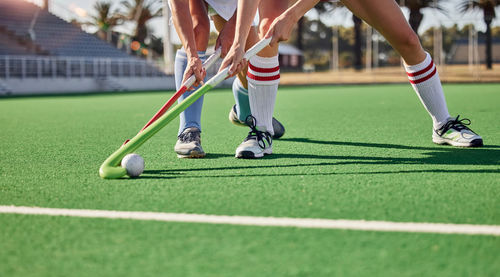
[75, 67]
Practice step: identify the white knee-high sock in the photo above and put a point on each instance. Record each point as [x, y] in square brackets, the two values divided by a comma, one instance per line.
[263, 78]
[425, 81]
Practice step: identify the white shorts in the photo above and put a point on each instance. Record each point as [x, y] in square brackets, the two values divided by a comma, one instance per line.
[227, 8]
[224, 8]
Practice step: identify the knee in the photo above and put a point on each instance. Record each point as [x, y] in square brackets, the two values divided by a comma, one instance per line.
[264, 25]
[269, 51]
[410, 43]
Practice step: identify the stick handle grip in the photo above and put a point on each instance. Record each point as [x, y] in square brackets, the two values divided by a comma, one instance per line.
[207, 64]
[257, 48]
[212, 59]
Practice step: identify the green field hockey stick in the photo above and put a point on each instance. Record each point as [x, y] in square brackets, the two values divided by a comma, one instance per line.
[184, 87]
[111, 169]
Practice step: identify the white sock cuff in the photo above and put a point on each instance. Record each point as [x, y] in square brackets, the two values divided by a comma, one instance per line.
[421, 72]
[263, 71]
[419, 66]
[265, 62]
[182, 54]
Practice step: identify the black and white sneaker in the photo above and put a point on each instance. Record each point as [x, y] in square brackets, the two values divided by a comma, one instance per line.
[189, 144]
[456, 133]
[256, 144]
[279, 129]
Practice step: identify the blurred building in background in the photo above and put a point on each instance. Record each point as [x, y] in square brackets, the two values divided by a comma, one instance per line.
[459, 53]
[41, 53]
[291, 58]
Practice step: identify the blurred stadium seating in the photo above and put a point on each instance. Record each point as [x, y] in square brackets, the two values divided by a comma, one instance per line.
[41, 53]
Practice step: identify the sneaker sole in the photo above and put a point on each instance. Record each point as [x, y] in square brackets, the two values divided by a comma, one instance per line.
[251, 155]
[442, 141]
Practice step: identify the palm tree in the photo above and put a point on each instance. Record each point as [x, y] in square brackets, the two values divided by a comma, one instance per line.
[300, 33]
[415, 7]
[488, 8]
[358, 63]
[140, 12]
[104, 19]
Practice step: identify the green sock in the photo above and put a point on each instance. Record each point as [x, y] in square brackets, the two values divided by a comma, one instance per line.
[241, 99]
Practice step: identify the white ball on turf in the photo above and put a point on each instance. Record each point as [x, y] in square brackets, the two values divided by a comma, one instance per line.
[134, 164]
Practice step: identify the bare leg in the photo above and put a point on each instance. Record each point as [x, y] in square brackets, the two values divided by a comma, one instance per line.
[268, 11]
[263, 79]
[263, 73]
[191, 117]
[387, 18]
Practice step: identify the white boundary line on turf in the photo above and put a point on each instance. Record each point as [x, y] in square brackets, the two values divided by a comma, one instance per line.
[314, 223]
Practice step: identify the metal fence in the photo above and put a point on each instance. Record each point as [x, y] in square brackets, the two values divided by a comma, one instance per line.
[75, 67]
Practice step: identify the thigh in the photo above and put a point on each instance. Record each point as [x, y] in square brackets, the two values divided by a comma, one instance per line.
[219, 22]
[386, 17]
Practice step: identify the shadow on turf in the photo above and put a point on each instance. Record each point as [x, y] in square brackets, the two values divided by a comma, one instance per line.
[382, 145]
[437, 155]
[164, 174]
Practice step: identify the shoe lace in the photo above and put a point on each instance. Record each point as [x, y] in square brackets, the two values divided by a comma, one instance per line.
[264, 139]
[457, 124]
[189, 136]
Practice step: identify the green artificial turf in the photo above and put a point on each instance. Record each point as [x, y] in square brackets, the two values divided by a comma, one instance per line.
[349, 152]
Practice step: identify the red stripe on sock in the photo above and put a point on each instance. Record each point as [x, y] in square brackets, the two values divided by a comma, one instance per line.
[261, 78]
[414, 74]
[418, 81]
[263, 70]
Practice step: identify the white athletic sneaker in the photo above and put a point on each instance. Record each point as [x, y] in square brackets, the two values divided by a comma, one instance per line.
[456, 133]
[279, 129]
[189, 144]
[256, 144]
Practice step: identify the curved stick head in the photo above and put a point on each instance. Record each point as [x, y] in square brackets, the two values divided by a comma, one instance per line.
[111, 172]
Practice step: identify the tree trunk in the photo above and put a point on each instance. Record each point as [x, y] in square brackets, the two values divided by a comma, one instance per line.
[102, 34]
[357, 42]
[46, 5]
[488, 15]
[300, 31]
[415, 19]
[488, 46]
[141, 33]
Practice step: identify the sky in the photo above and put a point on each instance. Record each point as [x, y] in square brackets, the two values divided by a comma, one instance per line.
[80, 8]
